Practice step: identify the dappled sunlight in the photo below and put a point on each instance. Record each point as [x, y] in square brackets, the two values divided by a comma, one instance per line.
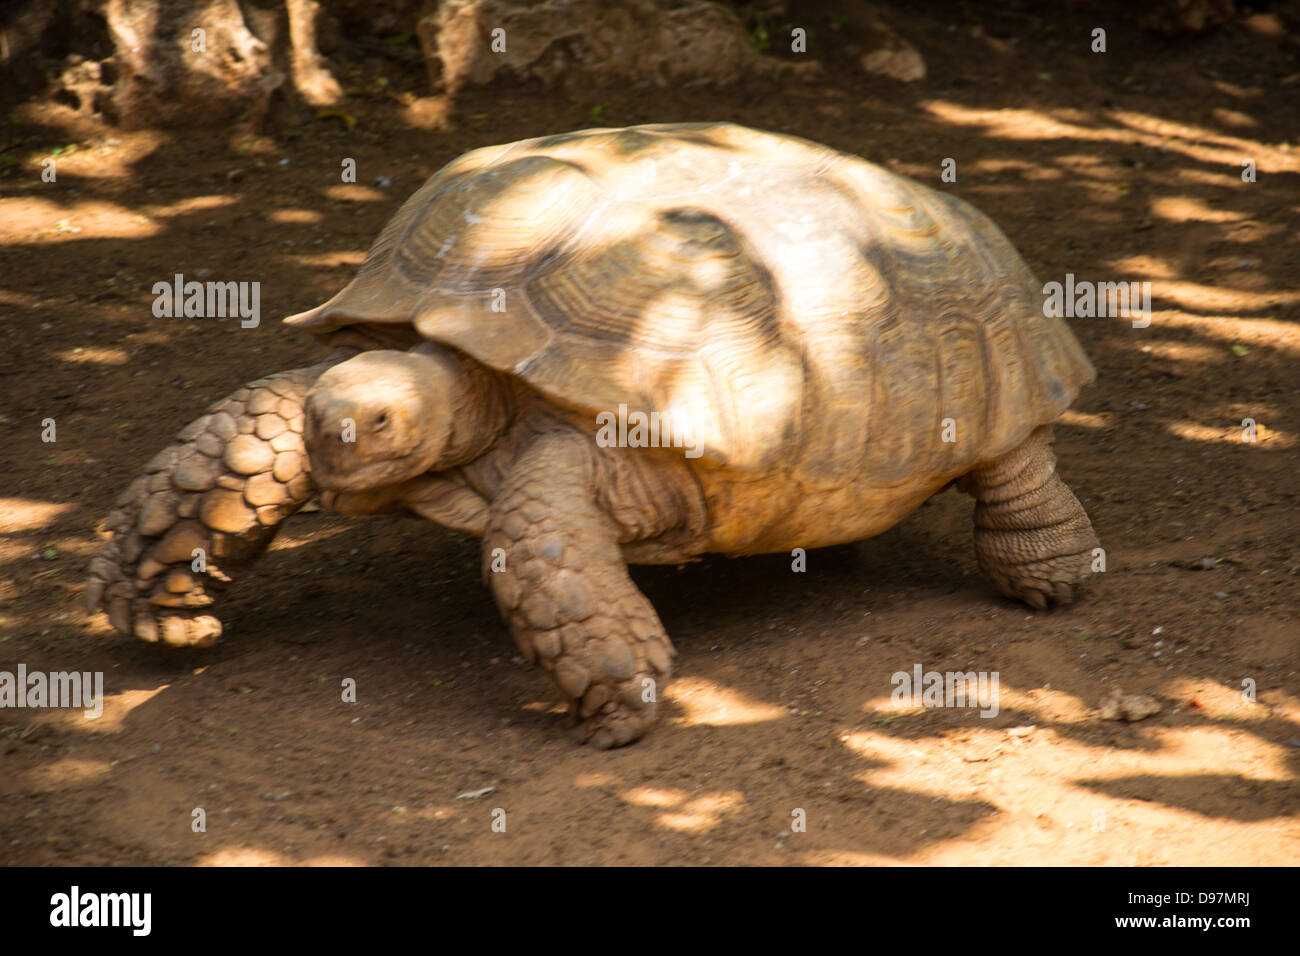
[50, 222]
[1272, 158]
[1187, 178]
[655, 799]
[117, 708]
[1144, 266]
[68, 771]
[24, 514]
[19, 300]
[708, 703]
[1208, 748]
[1087, 419]
[1026, 169]
[331, 260]
[1188, 352]
[418, 816]
[353, 192]
[1265, 333]
[545, 707]
[1056, 802]
[1234, 118]
[111, 158]
[847, 858]
[295, 216]
[84, 355]
[1061, 705]
[191, 204]
[255, 856]
[1231, 433]
[159, 335]
[1198, 297]
[300, 530]
[1190, 141]
[683, 812]
[598, 778]
[1189, 209]
[1222, 701]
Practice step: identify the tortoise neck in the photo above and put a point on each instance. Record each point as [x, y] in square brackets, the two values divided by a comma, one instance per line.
[482, 405]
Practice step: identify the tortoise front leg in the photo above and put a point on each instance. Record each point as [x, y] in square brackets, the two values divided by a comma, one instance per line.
[553, 561]
[205, 509]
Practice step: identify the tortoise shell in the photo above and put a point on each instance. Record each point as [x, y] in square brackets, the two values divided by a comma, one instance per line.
[798, 309]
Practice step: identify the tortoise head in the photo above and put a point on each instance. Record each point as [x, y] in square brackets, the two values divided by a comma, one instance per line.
[381, 418]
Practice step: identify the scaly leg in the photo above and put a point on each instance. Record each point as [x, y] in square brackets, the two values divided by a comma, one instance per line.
[566, 594]
[1032, 537]
[205, 509]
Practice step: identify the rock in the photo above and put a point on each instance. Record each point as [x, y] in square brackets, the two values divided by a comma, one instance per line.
[903, 64]
[1129, 707]
[636, 42]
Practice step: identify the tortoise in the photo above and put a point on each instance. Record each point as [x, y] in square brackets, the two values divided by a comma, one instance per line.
[636, 346]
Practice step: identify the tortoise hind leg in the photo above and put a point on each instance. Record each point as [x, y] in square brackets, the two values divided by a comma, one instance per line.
[1032, 537]
[205, 509]
[552, 558]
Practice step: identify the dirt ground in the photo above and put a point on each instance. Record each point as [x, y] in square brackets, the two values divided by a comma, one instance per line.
[1122, 166]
